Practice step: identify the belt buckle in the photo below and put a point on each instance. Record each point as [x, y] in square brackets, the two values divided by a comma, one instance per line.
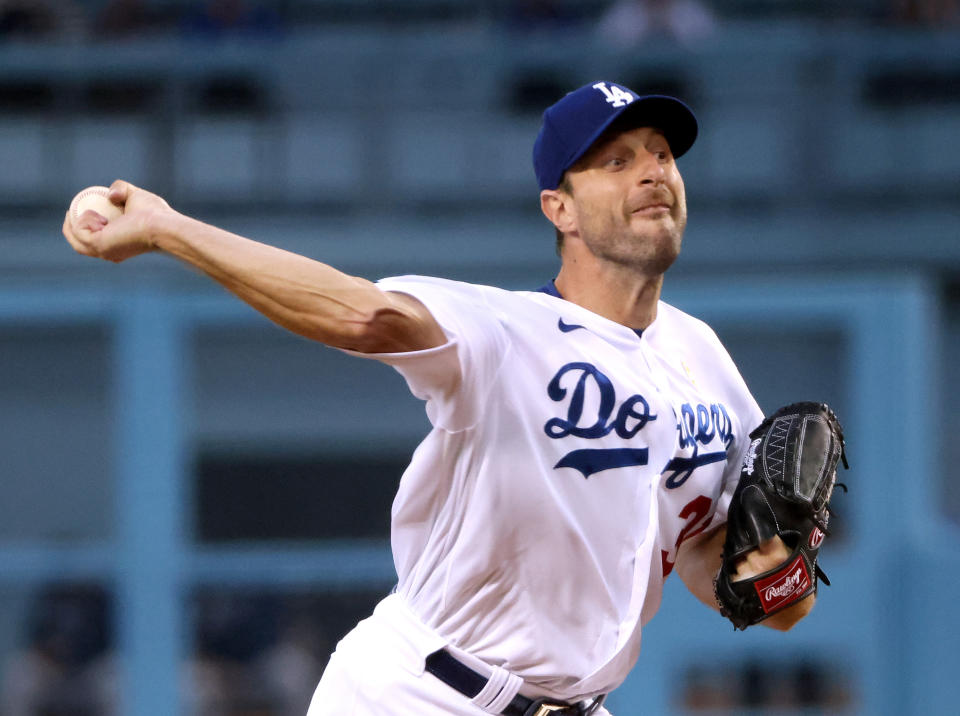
[544, 709]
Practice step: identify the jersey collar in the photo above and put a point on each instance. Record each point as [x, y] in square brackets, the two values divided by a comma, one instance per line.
[550, 288]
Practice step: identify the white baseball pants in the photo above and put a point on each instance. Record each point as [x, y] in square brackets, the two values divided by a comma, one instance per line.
[378, 670]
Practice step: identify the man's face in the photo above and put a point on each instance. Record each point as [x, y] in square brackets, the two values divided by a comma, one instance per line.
[628, 200]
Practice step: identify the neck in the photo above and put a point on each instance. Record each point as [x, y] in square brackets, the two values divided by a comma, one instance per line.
[615, 292]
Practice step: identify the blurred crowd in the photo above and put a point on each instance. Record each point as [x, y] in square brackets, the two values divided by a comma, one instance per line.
[254, 653]
[622, 21]
[77, 19]
[261, 653]
[65, 664]
[930, 13]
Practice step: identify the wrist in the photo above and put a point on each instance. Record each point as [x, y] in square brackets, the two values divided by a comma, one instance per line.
[163, 229]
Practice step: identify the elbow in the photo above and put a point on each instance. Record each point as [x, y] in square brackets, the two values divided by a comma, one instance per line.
[383, 323]
[401, 325]
[359, 332]
[383, 329]
[356, 332]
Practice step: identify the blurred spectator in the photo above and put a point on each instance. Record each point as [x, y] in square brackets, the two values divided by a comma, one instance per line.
[28, 19]
[930, 13]
[123, 18]
[255, 654]
[537, 14]
[628, 22]
[223, 17]
[66, 667]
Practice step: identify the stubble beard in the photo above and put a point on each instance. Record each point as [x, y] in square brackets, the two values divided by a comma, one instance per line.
[650, 251]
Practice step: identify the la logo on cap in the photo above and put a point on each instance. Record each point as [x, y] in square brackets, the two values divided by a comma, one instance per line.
[616, 96]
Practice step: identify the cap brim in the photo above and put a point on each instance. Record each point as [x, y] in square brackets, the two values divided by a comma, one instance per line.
[667, 114]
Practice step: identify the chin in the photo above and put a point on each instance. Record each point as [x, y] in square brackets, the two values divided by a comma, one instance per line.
[659, 263]
[651, 251]
[663, 251]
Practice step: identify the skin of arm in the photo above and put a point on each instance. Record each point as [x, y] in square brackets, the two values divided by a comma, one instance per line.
[304, 296]
[698, 561]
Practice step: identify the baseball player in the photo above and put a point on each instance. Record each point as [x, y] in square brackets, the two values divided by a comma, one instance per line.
[586, 439]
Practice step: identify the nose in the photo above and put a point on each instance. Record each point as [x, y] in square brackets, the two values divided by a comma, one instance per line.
[650, 169]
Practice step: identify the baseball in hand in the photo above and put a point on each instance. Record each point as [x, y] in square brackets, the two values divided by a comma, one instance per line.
[95, 198]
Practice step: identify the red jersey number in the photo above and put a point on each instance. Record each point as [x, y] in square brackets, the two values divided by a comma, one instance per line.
[694, 513]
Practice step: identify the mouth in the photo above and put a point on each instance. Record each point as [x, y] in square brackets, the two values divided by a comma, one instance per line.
[652, 209]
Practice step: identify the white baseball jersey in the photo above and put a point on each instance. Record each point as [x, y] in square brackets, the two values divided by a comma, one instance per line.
[569, 457]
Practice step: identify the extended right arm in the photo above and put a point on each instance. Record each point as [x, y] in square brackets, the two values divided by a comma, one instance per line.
[305, 296]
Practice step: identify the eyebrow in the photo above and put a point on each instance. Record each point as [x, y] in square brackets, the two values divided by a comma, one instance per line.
[611, 136]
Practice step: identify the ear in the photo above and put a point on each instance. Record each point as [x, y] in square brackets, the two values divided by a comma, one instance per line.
[557, 206]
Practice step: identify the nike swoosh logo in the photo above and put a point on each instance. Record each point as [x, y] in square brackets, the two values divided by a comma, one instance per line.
[567, 327]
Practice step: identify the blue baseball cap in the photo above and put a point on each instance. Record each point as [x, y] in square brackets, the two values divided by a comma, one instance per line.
[574, 123]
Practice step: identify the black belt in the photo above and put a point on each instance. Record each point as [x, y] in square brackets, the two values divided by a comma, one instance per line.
[468, 682]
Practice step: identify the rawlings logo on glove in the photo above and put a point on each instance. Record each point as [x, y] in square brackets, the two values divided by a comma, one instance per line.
[787, 479]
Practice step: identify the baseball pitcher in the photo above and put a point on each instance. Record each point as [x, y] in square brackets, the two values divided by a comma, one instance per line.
[587, 438]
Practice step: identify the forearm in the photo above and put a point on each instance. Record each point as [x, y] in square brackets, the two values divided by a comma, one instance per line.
[305, 296]
[698, 561]
[300, 294]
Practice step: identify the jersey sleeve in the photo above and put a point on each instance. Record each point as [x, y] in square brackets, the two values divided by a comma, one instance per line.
[454, 378]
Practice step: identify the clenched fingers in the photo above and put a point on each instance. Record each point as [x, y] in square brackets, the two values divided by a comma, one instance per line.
[80, 234]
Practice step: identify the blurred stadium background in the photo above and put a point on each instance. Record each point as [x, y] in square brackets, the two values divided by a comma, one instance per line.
[195, 505]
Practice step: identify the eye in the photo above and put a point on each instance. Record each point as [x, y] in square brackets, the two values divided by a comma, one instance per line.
[615, 163]
[662, 154]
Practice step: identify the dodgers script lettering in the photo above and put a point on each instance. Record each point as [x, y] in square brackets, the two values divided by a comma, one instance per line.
[579, 385]
[632, 415]
[699, 426]
[591, 386]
